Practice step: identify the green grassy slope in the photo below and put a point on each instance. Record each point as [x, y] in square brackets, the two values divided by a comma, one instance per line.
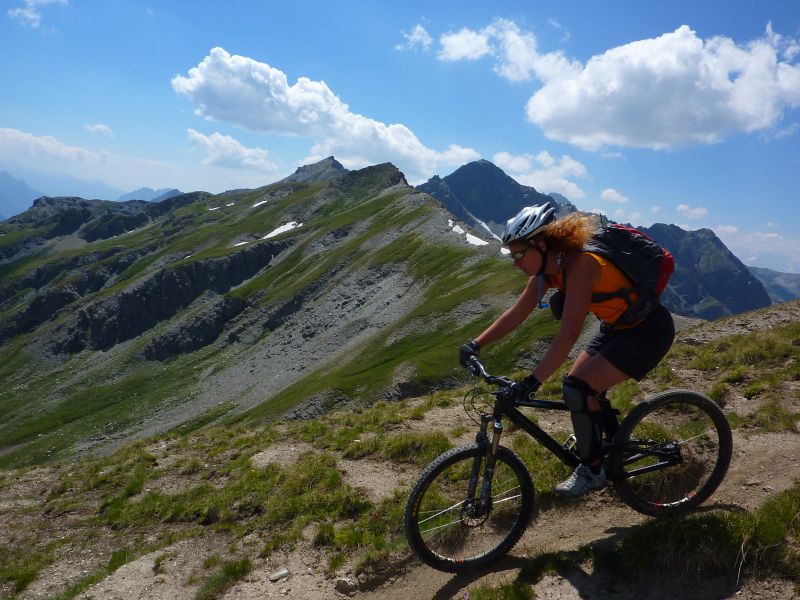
[54, 403]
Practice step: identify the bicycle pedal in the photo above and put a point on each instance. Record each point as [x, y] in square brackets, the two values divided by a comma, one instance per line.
[570, 443]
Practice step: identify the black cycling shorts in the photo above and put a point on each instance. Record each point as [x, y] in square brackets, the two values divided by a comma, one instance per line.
[636, 351]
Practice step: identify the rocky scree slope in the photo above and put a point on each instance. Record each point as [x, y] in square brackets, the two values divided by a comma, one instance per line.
[119, 320]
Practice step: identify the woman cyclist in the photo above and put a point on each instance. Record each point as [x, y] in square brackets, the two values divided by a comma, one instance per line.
[551, 253]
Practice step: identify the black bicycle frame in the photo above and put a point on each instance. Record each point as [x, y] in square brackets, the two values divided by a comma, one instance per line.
[505, 406]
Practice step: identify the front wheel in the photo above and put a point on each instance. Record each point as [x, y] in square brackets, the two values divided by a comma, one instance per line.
[452, 530]
[671, 453]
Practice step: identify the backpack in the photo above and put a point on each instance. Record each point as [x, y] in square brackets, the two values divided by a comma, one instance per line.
[646, 264]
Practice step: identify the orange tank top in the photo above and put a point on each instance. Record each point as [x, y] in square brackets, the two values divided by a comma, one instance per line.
[611, 280]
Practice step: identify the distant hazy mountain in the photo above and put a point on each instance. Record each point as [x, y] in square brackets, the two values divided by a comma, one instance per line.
[15, 195]
[709, 280]
[481, 194]
[150, 194]
[781, 287]
[61, 185]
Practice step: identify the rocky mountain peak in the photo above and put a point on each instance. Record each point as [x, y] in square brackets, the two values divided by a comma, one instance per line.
[481, 194]
[324, 170]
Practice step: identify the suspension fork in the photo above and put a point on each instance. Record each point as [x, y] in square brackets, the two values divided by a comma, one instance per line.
[490, 453]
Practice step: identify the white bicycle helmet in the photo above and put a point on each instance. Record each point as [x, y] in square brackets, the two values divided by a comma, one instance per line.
[528, 222]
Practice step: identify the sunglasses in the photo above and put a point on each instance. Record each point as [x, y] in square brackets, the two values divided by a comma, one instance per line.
[515, 256]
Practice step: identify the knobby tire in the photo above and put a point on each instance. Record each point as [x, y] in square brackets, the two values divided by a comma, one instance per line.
[439, 527]
[681, 443]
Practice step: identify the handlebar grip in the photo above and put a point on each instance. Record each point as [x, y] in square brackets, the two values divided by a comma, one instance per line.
[474, 365]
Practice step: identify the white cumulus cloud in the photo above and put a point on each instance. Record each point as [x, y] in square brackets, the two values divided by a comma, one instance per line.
[29, 13]
[673, 90]
[544, 172]
[670, 91]
[417, 38]
[723, 229]
[765, 249]
[464, 45]
[225, 151]
[253, 95]
[612, 195]
[697, 212]
[515, 51]
[100, 128]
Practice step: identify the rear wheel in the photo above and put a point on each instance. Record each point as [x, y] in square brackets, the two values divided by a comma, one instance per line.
[675, 451]
[451, 530]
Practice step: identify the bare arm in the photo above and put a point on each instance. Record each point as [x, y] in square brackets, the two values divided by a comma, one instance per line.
[511, 318]
[582, 275]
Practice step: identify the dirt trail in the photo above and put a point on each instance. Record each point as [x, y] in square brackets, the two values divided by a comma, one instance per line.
[763, 464]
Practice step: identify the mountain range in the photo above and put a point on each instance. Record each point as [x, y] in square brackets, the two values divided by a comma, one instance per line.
[781, 287]
[327, 288]
[709, 282]
[15, 195]
[150, 194]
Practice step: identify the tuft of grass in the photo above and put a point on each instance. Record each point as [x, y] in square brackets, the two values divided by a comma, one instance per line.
[21, 568]
[325, 535]
[516, 590]
[735, 375]
[223, 579]
[664, 375]
[770, 416]
[419, 448]
[718, 393]
[158, 563]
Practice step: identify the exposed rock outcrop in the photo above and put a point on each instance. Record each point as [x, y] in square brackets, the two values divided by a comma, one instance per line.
[196, 331]
[159, 297]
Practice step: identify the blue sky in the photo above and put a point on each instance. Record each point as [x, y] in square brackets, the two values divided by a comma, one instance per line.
[678, 112]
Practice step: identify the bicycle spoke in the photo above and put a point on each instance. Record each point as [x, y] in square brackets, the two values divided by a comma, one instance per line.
[452, 529]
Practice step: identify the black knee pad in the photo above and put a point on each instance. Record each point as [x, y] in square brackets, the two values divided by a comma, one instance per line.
[586, 423]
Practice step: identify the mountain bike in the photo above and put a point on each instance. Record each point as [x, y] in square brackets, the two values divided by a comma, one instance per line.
[471, 505]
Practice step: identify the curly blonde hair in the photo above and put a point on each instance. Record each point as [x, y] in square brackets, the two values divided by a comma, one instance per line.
[570, 232]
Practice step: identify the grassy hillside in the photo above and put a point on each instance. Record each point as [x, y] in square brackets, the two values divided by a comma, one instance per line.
[195, 314]
[249, 495]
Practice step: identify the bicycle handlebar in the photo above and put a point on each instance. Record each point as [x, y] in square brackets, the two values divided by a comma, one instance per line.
[476, 367]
